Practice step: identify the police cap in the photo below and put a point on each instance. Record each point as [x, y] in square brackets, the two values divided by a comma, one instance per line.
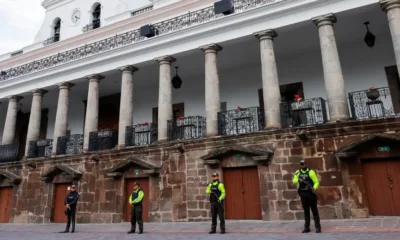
[215, 174]
[302, 162]
[73, 186]
[136, 184]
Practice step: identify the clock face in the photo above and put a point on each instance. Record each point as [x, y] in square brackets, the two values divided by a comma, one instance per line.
[76, 16]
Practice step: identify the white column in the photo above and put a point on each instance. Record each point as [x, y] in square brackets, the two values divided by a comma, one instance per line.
[164, 96]
[92, 109]
[213, 103]
[61, 125]
[126, 104]
[270, 80]
[392, 9]
[11, 120]
[35, 118]
[334, 82]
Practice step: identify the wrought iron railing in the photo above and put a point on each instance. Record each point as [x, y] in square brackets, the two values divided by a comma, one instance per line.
[142, 10]
[187, 128]
[94, 25]
[141, 134]
[302, 113]
[8, 152]
[40, 148]
[184, 21]
[70, 145]
[103, 140]
[50, 40]
[379, 105]
[241, 120]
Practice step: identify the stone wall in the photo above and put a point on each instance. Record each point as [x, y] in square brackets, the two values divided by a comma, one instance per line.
[177, 193]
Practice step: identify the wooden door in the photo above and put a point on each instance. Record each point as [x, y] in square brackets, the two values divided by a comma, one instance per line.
[109, 112]
[5, 204]
[61, 191]
[178, 110]
[393, 168]
[144, 184]
[243, 193]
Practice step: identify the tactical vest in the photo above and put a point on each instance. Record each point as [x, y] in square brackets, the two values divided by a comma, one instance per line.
[135, 194]
[307, 180]
[216, 193]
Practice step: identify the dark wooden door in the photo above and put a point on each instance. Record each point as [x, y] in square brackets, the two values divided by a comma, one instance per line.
[5, 204]
[59, 207]
[144, 184]
[393, 168]
[243, 193]
[178, 110]
[109, 112]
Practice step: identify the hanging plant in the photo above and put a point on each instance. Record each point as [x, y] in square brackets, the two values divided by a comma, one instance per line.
[373, 93]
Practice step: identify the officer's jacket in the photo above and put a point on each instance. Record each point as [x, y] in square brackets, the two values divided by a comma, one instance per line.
[309, 177]
[71, 198]
[218, 189]
[136, 197]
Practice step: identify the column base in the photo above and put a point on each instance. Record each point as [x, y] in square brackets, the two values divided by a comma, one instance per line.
[273, 127]
[122, 146]
[339, 119]
[211, 135]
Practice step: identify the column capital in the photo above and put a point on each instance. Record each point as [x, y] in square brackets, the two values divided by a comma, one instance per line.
[14, 98]
[165, 60]
[386, 5]
[39, 92]
[65, 85]
[94, 77]
[128, 68]
[266, 34]
[327, 19]
[211, 48]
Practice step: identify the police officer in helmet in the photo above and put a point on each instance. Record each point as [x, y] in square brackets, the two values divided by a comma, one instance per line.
[135, 200]
[216, 191]
[70, 208]
[308, 183]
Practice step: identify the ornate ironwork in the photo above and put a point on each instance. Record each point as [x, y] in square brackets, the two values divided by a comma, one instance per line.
[184, 21]
[70, 145]
[94, 25]
[241, 120]
[187, 128]
[40, 148]
[8, 152]
[361, 107]
[51, 40]
[302, 113]
[142, 10]
[141, 134]
[103, 140]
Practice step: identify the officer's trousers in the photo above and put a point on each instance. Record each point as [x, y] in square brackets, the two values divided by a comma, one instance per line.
[309, 200]
[136, 216]
[71, 217]
[217, 209]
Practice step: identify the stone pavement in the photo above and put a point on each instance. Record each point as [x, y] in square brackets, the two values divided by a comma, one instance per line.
[387, 228]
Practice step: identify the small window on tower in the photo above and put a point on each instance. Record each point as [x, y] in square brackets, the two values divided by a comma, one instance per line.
[57, 29]
[96, 16]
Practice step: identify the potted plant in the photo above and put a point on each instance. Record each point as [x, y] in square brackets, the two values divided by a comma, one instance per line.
[373, 93]
[298, 102]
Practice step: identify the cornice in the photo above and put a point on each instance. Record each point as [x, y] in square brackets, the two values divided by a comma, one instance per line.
[48, 3]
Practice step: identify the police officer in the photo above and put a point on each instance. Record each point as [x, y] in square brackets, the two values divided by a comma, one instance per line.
[135, 201]
[308, 183]
[70, 208]
[216, 190]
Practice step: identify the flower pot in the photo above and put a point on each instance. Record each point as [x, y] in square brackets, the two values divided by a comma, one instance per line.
[298, 105]
[373, 94]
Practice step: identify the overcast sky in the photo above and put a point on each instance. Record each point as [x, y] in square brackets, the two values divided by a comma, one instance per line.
[20, 20]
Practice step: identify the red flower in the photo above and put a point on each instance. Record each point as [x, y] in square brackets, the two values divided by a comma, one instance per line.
[181, 117]
[372, 87]
[238, 107]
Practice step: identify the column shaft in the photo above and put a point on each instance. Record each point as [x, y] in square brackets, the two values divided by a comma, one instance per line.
[392, 9]
[35, 118]
[11, 120]
[334, 82]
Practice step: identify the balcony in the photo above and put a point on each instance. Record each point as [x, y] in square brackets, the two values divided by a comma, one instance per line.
[40, 148]
[103, 140]
[372, 103]
[186, 128]
[8, 153]
[94, 25]
[240, 120]
[303, 113]
[70, 145]
[141, 134]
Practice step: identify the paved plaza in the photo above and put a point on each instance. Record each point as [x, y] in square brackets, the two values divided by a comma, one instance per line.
[363, 229]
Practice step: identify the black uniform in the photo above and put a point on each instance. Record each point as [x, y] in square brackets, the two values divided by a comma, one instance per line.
[137, 211]
[217, 206]
[72, 200]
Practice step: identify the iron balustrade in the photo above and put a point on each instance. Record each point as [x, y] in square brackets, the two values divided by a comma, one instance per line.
[241, 120]
[40, 148]
[119, 40]
[303, 113]
[361, 107]
[94, 25]
[187, 128]
[141, 134]
[103, 140]
[9, 152]
[142, 10]
[70, 145]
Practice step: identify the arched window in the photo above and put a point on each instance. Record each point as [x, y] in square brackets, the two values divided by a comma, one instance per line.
[96, 15]
[57, 29]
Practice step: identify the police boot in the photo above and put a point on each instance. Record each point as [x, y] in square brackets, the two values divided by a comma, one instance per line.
[131, 231]
[318, 230]
[212, 231]
[223, 231]
[141, 231]
[306, 230]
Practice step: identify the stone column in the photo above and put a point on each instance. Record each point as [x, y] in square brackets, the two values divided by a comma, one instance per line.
[61, 125]
[334, 82]
[126, 104]
[213, 103]
[270, 80]
[164, 96]
[11, 120]
[35, 118]
[92, 109]
[392, 9]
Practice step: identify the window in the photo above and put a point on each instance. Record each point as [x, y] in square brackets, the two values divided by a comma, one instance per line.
[57, 29]
[96, 16]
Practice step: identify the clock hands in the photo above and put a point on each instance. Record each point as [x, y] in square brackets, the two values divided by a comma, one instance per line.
[77, 18]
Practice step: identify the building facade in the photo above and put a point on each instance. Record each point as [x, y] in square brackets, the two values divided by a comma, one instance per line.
[168, 92]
